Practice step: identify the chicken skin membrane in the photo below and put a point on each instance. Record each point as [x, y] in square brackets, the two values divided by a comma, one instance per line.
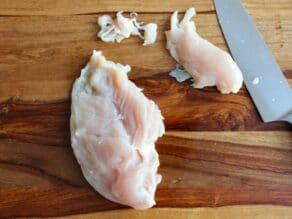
[120, 28]
[207, 64]
[113, 132]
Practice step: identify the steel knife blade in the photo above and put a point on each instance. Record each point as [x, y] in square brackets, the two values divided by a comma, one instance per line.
[262, 75]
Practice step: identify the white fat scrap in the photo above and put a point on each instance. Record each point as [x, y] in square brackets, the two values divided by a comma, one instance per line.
[179, 74]
[207, 64]
[114, 127]
[150, 33]
[115, 30]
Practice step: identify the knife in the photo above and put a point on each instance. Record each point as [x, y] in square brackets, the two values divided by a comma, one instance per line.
[262, 75]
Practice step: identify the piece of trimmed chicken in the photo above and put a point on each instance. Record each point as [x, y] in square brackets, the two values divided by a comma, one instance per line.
[207, 64]
[113, 132]
[116, 30]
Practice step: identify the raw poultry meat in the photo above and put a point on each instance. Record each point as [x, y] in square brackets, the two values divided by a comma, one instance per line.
[207, 64]
[113, 131]
[121, 27]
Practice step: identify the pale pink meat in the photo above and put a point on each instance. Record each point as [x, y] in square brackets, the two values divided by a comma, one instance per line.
[206, 63]
[113, 132]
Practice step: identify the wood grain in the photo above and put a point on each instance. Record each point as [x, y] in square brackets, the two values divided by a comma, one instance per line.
[67, 7]
[194, 110]
[198, 168]
[216, 151]
[72, 7]
[48, 202]
[235, 212]
[47, 53]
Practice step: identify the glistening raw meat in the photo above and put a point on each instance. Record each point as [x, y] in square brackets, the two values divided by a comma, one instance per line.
[113, 132]
[207, 64]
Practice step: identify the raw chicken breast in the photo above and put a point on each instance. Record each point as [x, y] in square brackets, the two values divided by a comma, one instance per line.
[121, 27]
[113, 131]
[206, 63]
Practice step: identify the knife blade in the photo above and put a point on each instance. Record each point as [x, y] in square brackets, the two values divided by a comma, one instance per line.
[262, 75]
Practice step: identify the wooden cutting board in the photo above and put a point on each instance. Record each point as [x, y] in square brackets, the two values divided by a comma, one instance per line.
[216, 151]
